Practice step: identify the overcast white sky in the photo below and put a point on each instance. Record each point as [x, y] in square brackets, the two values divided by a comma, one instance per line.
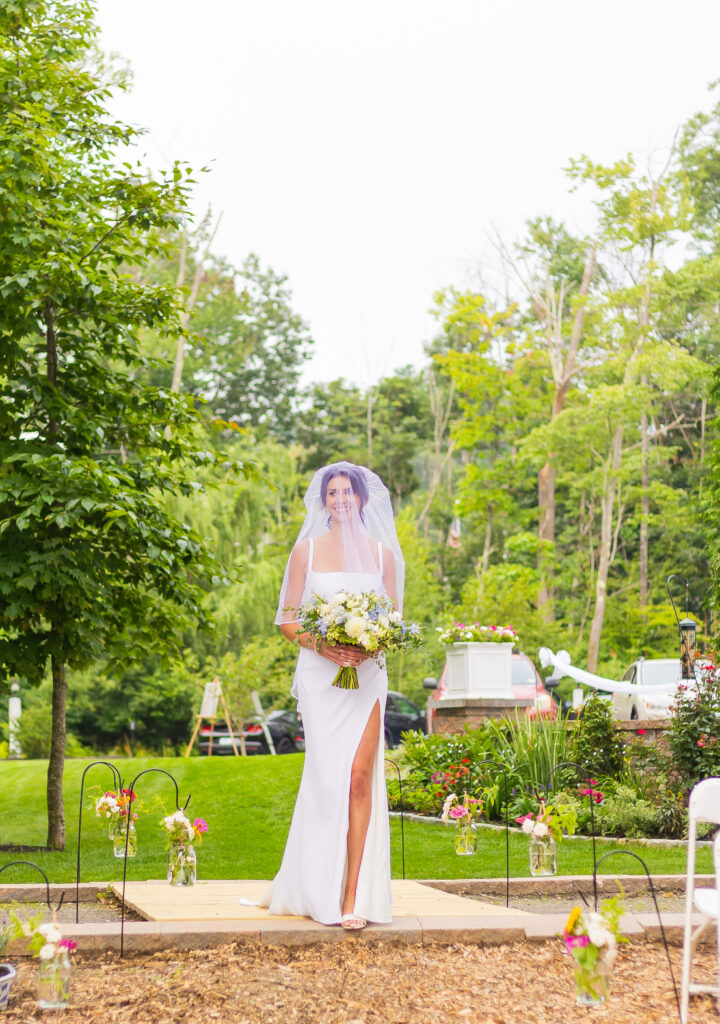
[367, 150]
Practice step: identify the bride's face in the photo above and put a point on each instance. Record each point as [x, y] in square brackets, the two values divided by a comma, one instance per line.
[340, 500]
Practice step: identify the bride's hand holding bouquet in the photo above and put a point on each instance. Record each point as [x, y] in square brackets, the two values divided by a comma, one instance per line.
[364, 625]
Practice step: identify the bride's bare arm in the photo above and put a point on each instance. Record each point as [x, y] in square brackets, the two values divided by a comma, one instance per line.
[297, 571]
[389, 577]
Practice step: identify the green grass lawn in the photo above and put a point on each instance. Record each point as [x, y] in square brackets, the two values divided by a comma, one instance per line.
[248, 804]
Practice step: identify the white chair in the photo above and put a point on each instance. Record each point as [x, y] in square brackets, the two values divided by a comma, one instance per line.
[704, 806]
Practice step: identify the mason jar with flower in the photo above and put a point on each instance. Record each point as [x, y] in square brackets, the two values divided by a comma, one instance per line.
[546, 829]
[107, 808]
[117, 809]
[182, 834]
[52, 951]
[462, 814]
[591, 939]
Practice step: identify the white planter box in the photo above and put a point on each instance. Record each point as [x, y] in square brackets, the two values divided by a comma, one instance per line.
[479, 670]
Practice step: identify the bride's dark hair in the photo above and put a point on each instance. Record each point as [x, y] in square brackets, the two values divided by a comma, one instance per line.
[357, 482]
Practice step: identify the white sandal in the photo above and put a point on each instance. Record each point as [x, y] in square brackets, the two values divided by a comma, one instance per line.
[359, 922]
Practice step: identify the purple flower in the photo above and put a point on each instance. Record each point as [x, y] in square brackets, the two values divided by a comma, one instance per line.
[576, 941]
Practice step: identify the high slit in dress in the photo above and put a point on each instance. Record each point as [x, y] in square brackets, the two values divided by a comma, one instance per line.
[311, 879]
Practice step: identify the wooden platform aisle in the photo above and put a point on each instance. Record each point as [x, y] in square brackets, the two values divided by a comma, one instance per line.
[218, 901]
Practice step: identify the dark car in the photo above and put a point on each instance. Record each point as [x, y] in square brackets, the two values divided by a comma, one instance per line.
[401, 715]
[285, 728]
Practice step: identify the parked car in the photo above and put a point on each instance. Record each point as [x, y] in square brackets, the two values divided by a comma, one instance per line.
[285, 727]
[525, 681]
[401, 715]
[648, 672]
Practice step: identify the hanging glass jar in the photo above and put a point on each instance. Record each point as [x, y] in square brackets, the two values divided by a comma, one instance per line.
[465, 839]
[543, 856]
[119, 839]
[53, 990]
[592, 988]
[182, 864]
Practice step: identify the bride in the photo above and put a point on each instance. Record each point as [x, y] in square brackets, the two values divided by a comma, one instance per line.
[336, 866]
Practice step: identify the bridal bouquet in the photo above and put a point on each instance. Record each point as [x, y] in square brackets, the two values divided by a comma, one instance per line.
[369, 620]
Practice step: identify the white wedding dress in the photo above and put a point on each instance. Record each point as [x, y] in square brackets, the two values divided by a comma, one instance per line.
[311, 879]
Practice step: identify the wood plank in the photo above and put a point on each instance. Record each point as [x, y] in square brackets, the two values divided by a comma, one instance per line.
[155, 900]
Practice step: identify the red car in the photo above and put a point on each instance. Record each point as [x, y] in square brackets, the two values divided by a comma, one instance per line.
[526, 683]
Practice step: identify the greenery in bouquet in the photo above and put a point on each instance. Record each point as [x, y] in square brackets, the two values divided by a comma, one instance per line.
[180, 831]
[368, 620]
[591, 939]
[45, 938]
[458, 633]
[8, 931]
[550, 821]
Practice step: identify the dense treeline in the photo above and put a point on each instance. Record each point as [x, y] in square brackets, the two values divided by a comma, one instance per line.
[550, 461]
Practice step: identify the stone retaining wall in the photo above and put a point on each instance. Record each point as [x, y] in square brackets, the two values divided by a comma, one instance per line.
[452, 715]
[651, 732]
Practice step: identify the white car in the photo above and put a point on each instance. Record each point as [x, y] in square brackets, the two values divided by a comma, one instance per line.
[648, 672]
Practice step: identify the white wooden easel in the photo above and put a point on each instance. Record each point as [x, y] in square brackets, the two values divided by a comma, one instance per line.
[208, 712]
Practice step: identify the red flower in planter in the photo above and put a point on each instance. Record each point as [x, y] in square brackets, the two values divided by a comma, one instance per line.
[641, 732]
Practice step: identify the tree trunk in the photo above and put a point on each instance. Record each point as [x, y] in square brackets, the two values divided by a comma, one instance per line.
[441, 415]
[644, 507]
[55, 807]
[546, 531]
[607, 506]
[488, 538]
[562, 370]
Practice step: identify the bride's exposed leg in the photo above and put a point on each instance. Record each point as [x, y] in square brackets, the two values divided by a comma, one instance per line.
[360, 805]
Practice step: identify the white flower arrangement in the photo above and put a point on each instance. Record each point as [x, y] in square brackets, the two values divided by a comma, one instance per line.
[46, 940]
[535, 828]
[107, 806]
[181, 831]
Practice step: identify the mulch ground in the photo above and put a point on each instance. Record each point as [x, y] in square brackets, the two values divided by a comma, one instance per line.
[358, 982]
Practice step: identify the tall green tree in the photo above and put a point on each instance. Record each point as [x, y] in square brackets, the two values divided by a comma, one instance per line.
[556, 270]
[92, 562]
[245, 345]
